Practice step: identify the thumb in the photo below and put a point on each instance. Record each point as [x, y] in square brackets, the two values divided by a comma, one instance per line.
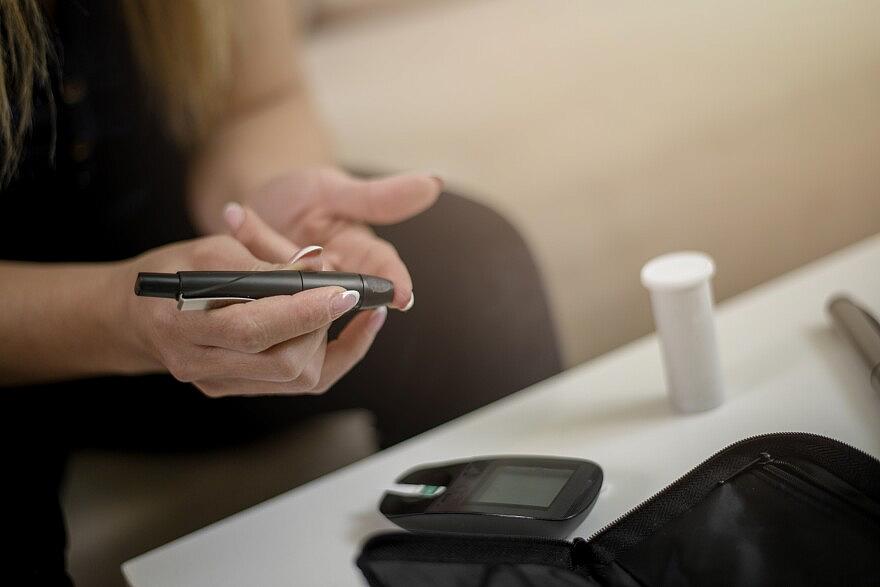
[385, 200]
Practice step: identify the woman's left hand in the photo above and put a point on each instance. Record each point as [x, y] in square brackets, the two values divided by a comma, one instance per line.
[270, 161]
[328, 207]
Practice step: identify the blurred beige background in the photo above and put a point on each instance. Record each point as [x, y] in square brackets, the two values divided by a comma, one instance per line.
[610, 132]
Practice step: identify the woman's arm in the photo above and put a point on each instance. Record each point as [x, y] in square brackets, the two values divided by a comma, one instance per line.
[271, 124]
[272, 153]
[68, 321]
[265, 56]
[59, 321]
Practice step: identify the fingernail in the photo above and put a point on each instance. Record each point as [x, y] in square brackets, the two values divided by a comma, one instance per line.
[440, 183]
[410, 303]
[343, 302]
[377, 319]
[234, 215]
[304, 252]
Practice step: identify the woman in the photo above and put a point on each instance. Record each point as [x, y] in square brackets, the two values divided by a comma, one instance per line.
[126, 127]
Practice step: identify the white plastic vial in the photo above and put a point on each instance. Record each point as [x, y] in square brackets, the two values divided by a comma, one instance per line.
[681, 299]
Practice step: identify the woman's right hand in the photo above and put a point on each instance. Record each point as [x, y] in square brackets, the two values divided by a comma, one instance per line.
[275, 345]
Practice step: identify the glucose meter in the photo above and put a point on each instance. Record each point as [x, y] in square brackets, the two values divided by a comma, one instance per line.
[506, 495]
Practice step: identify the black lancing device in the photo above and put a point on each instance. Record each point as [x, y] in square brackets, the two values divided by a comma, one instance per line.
[200, 290]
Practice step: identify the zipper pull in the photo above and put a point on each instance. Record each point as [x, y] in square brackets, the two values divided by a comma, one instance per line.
[580, 553]
[762, 459]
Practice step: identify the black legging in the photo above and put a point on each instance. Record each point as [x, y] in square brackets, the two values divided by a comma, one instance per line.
[480, 329]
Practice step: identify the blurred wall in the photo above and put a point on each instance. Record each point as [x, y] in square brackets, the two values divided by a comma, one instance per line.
[610, 132]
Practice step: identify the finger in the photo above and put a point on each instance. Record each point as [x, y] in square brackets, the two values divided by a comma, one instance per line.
[375, 256]
[305, 383]
[253, 327]
[244, 387]
[341, 355]
[351, 346]
[309, 258]
[282, 363]
[384, 200]
[298, 360]
[219, 252]
[332, 261]
[260, 239]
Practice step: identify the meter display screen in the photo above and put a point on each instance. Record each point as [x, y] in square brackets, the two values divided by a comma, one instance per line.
[524, 486]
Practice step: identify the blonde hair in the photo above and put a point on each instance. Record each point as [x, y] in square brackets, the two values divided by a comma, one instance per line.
[183, 48]
[24, 64]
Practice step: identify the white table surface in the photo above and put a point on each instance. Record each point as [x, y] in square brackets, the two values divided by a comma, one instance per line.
[785, 370]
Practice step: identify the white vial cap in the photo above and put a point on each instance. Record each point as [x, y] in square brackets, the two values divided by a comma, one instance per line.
[677, 271]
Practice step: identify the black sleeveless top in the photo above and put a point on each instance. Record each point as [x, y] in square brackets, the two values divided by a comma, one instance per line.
[114, 185]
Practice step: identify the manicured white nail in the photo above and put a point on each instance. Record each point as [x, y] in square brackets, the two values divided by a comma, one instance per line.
[234, 215]
[343, 302]
[377, 319]
[310, 250]
[410, 303]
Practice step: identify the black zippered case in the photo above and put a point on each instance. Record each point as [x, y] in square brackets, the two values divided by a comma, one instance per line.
[778, 509]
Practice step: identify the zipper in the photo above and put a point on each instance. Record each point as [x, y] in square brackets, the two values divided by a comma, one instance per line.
[761, 460]
[729, 448]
